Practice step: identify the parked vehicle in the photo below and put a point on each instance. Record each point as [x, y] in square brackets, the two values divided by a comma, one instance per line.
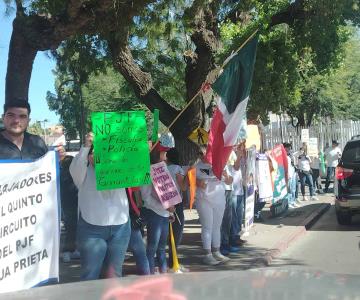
[347, 182]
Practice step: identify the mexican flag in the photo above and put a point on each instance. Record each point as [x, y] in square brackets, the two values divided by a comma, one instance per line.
[229, 122]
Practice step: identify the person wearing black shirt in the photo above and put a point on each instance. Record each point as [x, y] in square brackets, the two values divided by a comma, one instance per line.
[15, 142]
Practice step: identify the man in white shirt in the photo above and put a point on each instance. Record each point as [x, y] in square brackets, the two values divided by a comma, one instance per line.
[332, 157]
[103, 226]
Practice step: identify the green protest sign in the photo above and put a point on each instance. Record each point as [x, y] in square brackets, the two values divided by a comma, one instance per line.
[121, 150]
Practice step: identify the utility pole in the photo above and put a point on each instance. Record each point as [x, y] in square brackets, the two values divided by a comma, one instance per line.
[45, 135]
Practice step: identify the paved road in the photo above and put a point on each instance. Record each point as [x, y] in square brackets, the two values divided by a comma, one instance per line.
[328, 247]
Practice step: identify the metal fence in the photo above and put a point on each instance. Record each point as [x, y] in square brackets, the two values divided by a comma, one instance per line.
[282, 131]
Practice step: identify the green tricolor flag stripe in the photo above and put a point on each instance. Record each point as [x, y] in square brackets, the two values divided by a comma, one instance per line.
[234, 84]
[156, 126]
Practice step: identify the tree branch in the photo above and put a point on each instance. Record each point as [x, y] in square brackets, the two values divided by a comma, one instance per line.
[19, 8]
[295, 11]
[32, 33]
[140, 81]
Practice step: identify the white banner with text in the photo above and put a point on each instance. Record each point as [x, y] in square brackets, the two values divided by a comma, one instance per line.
[29, 223]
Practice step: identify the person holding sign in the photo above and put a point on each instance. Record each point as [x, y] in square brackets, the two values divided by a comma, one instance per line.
[157, 217]
[103, 226]
[210, 204]
[15, 142]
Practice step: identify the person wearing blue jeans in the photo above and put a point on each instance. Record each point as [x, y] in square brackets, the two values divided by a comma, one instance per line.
[236, 170]
[330, 172]
[178, 175]
[136, 243]
[137, 247]
[157, 237]
[99, 242]
[178, 229]
[225, 247]
[332, 156]
[157, 217]
[236, 224]
[305, 176]
[292, 191]
[104, 223]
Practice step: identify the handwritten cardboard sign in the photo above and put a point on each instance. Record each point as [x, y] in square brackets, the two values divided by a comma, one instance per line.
[121, 149]
[164, 185]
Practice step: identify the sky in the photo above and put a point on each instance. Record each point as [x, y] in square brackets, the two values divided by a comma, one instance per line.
[42, 79]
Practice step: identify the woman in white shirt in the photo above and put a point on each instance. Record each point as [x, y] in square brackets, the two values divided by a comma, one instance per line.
[210, 204]
[103, 227]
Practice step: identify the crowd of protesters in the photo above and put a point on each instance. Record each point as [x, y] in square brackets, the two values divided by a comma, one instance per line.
[101, 226]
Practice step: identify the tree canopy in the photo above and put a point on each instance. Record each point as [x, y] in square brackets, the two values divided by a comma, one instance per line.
[166, 50]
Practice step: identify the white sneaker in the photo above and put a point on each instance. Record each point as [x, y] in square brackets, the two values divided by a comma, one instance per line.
[181, 270]
[66, 257]
[314, 198]
[305, 198]
[297, 201]
[210, 260]
[221, 258]
[184, 269]
[175, 272]
[294, 205]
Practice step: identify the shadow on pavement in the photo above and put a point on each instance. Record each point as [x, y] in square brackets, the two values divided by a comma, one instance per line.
[329, 223]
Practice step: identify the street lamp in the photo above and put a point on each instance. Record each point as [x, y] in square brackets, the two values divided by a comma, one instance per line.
[45, 121]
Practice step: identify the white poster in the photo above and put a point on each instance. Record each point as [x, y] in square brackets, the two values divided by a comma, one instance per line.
[313, 150]
[250, 189]
[263, 177]
[29, 223]
[305, 135]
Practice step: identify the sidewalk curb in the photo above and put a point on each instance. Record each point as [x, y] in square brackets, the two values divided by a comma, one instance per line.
[316, 215]
[282, 245]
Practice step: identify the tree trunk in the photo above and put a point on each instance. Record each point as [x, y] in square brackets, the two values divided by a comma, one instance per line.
[188, 151]
[301, 120]
[32, 33]
[20, 63]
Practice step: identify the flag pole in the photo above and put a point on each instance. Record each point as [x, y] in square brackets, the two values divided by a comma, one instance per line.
[199, 91]
[238, 49]
[176, 265]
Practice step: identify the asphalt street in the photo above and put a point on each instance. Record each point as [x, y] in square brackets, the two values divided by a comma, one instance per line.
[327, 247]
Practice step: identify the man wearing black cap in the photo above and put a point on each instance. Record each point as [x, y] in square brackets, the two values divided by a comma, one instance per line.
[15, 142]
[332, 159]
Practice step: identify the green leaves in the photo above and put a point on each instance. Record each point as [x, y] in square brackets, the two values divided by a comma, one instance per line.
[299, 69]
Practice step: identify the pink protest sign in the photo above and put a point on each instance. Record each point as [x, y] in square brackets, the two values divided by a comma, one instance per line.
[164, 185]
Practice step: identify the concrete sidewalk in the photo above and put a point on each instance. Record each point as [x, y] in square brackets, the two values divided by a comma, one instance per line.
[266, 241]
